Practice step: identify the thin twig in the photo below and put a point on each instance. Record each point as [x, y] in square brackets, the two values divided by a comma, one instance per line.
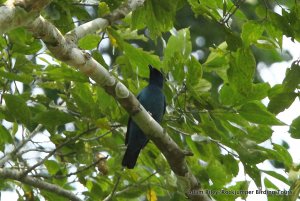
[223, 147]
[229, 14]
[179, 131]
[82, 169]
[31, 150]
[57, 148]
[110, 196]
[135, 185]
[8, 156]
[72, 173]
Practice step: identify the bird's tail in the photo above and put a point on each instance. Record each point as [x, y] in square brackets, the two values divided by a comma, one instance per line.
[130, 158]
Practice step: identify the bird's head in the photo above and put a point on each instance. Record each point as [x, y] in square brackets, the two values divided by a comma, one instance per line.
[156, 77]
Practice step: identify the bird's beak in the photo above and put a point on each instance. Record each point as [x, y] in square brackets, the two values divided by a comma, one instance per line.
[150, 67]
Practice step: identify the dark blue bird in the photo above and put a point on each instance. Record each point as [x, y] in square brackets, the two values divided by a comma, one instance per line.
[153, 100]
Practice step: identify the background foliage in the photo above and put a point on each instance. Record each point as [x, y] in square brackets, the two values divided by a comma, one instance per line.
[208, 50]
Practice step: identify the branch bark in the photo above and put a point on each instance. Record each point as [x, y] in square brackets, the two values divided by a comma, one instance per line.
[16, 13]
[6, 173]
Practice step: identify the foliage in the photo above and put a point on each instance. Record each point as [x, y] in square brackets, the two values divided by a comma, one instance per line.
[214, 99]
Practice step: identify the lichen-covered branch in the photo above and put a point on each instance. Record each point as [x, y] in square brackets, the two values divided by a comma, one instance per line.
[16, 13]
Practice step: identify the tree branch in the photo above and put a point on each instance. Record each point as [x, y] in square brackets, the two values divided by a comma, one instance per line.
[16, 13]
[102, 23]
[38, 183]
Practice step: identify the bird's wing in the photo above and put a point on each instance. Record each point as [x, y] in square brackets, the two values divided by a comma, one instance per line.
[128, 124]
[127, 132]
[165, 105]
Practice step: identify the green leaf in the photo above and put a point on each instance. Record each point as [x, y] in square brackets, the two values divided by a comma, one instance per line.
[200, 87]
[241, 71]
[5, 137]
[21, 77]
[254, 173]
[240, 186]
[129, 34]
[257, 113]
[99, 57]
[281, 97]
[113, 4]
[217, 173]
[233, 40]
[250, 152]
[83, 98]
[53, 118]
[89, 42]
[283, 155]
[281, 101]
[270, 184]
[295, 128]
[226, 115]
[193, 146]
[207, 9]
[18, 108]
[140, 59]
[52, 166]
[259, 133]
[259, 91]
[229, 96]
[177, 53]
[26, 66]
[251, 32]
[231, 164]
[276, 89]
[217, 57]
[194, 71]
[157, 15]
[62, 16]
[210, 129]
[49, 195]
[292, 78]
[23, 42]
[277, 176]
[104, 101]
[274, 32]
[103, 9]
[281, 23]
[178, 44]
[64, 73]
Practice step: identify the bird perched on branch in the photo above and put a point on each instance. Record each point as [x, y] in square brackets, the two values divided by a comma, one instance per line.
[153, 100]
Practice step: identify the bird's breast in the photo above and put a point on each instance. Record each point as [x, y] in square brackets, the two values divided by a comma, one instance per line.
[152, 99]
